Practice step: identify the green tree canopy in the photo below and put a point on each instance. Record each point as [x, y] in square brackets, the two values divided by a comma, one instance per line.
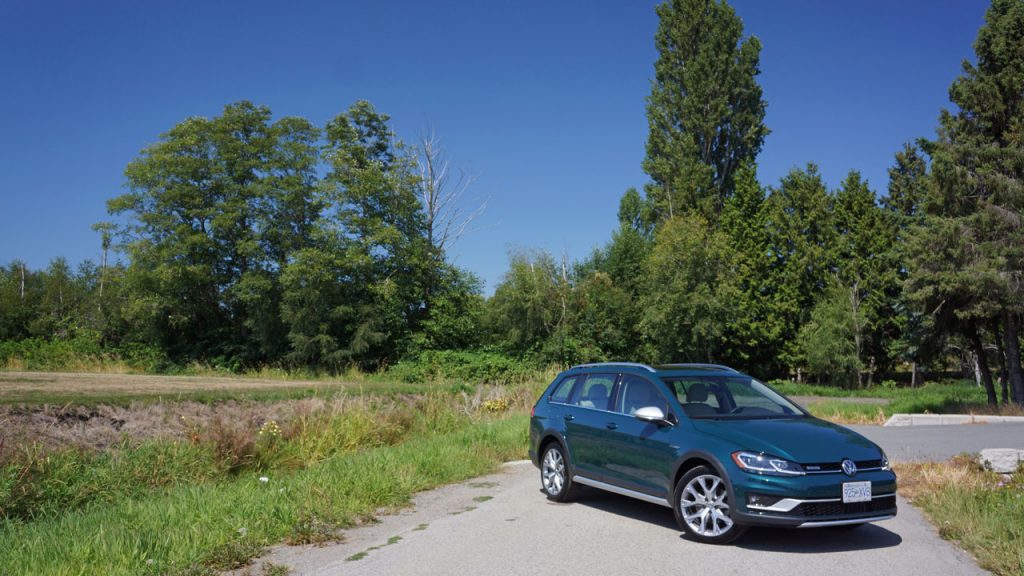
[705, 111]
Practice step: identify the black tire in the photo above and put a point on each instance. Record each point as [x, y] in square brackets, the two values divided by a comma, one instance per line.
[555, 479]
[705, 519]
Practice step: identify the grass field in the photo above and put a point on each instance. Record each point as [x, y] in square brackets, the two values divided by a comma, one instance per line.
[876, 404]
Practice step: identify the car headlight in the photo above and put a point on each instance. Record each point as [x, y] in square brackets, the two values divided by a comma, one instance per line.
[761, 463]
[885, 460]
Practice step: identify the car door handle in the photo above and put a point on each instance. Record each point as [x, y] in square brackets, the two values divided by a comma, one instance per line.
[611, 426]
[568, 418]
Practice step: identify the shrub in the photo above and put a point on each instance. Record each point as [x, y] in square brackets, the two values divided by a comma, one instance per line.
[470, 367]
[83, 352]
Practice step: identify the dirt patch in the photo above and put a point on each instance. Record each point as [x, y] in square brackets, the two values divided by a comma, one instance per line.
[54, 427]
[25, 431]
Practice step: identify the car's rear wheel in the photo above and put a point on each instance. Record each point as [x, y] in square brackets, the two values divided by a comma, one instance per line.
[554, 474]
[702, 507]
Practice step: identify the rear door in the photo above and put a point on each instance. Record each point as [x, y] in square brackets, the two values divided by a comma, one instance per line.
[586, 416]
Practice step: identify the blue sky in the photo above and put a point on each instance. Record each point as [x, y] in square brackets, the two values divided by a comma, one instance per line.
[542, 101]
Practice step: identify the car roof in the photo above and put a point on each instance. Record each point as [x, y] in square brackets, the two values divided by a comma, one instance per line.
[684, 369]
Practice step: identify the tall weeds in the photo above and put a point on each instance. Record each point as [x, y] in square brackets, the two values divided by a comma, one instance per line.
[197, 444]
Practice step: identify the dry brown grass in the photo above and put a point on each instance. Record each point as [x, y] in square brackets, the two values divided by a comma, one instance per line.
[1002, 410]
[921, 478]
[103, 384]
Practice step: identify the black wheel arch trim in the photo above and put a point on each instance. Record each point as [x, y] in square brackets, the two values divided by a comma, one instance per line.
[710, 459]
[557, 436]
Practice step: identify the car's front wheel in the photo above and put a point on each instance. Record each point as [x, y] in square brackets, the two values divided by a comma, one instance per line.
[702, 507]
[554, 474]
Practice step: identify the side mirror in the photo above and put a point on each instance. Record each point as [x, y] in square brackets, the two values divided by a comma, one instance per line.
[651, 414]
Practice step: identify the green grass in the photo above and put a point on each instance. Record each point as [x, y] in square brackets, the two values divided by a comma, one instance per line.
[961, 397]
[978, 510]
[220, 526]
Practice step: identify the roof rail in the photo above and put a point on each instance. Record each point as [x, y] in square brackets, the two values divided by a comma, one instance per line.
[598, 364]
[698, 366]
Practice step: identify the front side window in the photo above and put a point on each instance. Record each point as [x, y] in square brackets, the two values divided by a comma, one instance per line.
[636, 393]
[731, 397]
[595, 391]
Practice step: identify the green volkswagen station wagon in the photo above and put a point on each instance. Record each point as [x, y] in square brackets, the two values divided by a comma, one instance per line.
[721, 449]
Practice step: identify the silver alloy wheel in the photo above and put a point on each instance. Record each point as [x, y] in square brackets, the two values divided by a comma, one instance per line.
[553, 471]
[704, 505]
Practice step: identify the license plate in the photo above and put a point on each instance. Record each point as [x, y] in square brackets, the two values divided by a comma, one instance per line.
[856, 492]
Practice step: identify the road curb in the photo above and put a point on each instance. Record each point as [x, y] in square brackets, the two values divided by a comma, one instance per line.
[950, 419]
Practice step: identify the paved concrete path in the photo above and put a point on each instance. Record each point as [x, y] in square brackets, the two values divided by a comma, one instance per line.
[502, 525]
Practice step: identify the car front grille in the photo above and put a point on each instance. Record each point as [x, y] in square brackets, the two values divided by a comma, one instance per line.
[835, 467]
[814, 509]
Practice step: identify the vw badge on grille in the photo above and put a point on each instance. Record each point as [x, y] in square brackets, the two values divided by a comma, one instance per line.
[849, 467]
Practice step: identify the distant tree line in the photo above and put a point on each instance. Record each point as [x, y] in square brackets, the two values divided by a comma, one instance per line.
[251, 241]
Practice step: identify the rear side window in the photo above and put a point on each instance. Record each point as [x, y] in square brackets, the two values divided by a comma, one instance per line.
[595, 391]
[562, 390]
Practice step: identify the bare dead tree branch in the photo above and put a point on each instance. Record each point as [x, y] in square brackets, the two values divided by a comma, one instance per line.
[450, 216]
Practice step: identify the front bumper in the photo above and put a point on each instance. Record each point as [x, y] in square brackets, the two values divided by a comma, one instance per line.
[813, 501]
[818, 513]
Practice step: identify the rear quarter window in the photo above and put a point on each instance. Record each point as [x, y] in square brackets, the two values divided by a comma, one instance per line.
[562, 390]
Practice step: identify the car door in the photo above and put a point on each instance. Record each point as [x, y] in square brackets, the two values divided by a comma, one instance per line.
[585, 417]
[640, 454]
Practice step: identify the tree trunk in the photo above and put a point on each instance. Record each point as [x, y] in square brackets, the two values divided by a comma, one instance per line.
[981, 363]
[1004, 376]
[858, 338]
[913, 375]
[103, 276]
[1011, 337]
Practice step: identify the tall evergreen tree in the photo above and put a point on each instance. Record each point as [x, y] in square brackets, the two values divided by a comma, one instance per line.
[758, 329]
[974, 211]
[867, 266]
[705, 111]
[801, 241]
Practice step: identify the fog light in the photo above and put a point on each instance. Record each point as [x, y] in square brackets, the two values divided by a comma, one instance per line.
[762, 500]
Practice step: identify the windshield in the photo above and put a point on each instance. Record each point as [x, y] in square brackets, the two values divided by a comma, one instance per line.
[730, 396]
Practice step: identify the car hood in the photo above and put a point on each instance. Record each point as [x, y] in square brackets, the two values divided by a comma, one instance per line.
[802, 440]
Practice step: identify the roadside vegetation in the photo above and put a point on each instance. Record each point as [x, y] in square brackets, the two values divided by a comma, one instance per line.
[876, 404]
[981, 511]
[194, 488]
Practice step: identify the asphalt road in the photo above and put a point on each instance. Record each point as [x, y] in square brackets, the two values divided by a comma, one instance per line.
[503, 525]
[906, 443]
